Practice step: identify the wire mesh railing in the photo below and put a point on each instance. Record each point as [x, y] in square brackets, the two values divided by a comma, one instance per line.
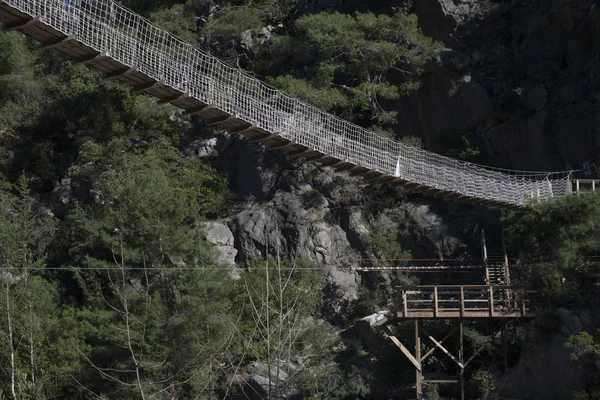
[134, 41]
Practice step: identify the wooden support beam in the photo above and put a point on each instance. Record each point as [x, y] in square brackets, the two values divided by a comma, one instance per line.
[491, 301]
[461, 355]
[172, 99]
[462, 302]
[410, 357]
[21, 24]
[123, 72]
[198, 110]
[404, 304]
[53, 43]
[441, 381]
[152, 85]
[91, 58]
[439, 345]
[435, 302]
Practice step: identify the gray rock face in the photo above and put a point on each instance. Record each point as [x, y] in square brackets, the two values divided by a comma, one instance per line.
[219, 235]
[551, 375]
[534, 80]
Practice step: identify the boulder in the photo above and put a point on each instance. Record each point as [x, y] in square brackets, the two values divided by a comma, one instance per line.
[221, 237]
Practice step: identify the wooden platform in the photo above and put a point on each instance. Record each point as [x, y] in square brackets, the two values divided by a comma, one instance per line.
[36, 28]
[465, 302]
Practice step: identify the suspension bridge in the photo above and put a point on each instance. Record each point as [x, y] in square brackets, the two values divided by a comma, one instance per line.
[131, 50]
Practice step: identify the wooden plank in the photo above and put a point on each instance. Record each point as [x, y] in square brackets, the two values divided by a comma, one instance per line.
[22, 24]
[345, 167]
[404, 304]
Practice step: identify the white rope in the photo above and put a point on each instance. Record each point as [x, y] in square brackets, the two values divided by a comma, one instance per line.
[134, 41]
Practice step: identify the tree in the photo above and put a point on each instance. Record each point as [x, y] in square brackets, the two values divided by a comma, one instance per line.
[348, 64]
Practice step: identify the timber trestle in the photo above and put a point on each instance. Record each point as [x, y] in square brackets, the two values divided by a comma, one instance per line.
[497, 302]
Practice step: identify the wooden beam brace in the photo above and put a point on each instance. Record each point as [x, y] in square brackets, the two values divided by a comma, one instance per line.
[317, 158]
[331, 163]
[448, 335]
[218, 121]
[152, 85]
[260, 139]
[91, 58]
[22, 24]
[410, 357]
[172, 99]
[348, 167]
[439, 345]
[353, 171]
[282, 146]
[243, 130]
[121, 73]
[53, 43]
[198, 110]
[300, 153]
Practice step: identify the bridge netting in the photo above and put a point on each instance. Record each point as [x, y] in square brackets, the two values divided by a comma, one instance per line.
[134, 41]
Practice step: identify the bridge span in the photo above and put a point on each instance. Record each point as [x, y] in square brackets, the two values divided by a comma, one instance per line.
[131, 50]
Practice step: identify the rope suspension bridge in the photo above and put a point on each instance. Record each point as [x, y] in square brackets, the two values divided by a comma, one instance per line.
[131, 50]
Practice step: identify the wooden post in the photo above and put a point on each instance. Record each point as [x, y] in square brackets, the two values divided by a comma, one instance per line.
[506, 264]
[491, 301]
[504, 348]
[404, 304]
[435, 301]
[523, 306]
[577, 186]
[593, 186]
[419, 378]
[461, 359]
[462, 301]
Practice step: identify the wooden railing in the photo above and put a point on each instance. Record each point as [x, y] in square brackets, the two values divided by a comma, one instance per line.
[466, 301]
[581, 184]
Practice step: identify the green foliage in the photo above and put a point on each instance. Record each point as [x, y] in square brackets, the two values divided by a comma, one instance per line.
[341, 62]
[585, 348]
[367, 302]
[555, 237]
[431, 392]
[485, 383]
